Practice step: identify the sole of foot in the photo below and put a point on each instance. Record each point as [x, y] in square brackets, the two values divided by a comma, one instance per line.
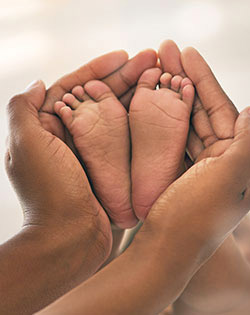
[159, 123]
[98, 124]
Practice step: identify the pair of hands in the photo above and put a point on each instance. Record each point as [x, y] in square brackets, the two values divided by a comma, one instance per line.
[52, 161]
[54, 190]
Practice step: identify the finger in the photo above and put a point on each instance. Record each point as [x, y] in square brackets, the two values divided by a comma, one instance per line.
[96, 69]
[194, 145]
[241, 141]
[119, 73]
[149, 79]
[24, 124]
[170, 58]
[23, 108]
[202, 125]
[126, 98]
[126, 77]
[237, 156]
[215, 150]
[221, 111]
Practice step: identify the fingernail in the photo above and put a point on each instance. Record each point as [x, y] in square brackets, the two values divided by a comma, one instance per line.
[33, 85]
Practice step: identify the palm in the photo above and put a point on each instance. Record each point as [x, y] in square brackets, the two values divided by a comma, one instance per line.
[209, 135]
[214, 115]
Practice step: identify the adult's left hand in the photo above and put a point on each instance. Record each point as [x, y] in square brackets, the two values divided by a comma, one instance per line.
[119, 73]
[214, 115]
[66, 234]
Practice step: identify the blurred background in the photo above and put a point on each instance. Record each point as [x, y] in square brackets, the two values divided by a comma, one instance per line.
[44, 39]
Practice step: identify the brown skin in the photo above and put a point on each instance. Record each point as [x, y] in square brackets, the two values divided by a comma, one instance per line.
[202, 281]
[119, 73]
[66, 234]
[184, 274]
[213, 122]
[167, 251]
[222, 285]
[214, 114]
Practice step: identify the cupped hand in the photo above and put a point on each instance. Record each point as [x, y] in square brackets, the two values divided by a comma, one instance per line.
[49, 180]
[213, 115]
[121, 76]
[183, 229]
[66, 235]
[114, 68]
[200, 210]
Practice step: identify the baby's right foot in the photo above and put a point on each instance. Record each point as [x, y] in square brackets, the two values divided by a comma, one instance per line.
[159, 123]
[98, 124]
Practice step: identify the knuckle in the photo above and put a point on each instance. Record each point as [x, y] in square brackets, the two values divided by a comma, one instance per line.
[7, 157]
[15, 101]
[8, 162]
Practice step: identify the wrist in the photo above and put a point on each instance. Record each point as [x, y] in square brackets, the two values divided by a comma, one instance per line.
[82, 243]
[73, 224]
[52, 259]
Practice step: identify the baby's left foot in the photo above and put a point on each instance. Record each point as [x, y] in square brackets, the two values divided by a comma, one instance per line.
[159, 124]
[98, 124]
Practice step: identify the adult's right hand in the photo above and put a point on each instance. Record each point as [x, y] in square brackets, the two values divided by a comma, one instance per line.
[186, 225]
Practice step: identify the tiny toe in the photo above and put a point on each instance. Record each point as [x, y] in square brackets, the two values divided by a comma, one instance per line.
[165, 80]
[57, 107]
[150, 78]
[66, 115]
[98, 90]
[78, 92]
[184, 82]
[188, 93]
[71, 100]
[176, 83]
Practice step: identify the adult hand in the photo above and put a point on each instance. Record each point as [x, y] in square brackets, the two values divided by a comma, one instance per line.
[119, 73]
[212, 130]
[121, 76]
[213, 115]
[61, 215]
[183, 229]
[66, 234]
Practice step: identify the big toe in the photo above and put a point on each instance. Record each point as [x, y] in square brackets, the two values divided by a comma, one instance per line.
[150, 78]
[98, 90]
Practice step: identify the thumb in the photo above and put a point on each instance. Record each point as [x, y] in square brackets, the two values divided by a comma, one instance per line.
[35, 91]
[23, 108]
[242, 125]
[238, 154]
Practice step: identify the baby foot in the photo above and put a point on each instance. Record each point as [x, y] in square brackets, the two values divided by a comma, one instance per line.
[98, 124]
[159, 124]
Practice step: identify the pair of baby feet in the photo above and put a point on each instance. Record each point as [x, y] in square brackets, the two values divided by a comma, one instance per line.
[157, 126]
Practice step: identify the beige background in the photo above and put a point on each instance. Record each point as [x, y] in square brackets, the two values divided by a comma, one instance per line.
[48, 38]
